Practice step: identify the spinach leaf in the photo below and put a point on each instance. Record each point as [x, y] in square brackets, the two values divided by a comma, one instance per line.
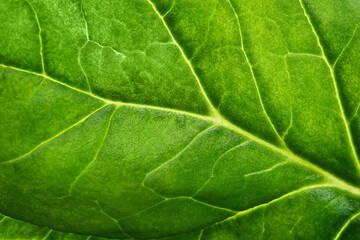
[166, 119]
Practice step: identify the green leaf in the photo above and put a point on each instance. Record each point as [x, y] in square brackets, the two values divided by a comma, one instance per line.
[11, 229]
[161, 119]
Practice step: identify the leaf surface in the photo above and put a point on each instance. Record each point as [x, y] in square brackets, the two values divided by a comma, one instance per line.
[187, 119]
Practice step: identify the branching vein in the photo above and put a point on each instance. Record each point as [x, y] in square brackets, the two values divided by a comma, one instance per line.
[201, 233]
[215, 119]
[260, 206]
[355, 113]
[211, 106]
[108, 101]
[214, 165]
[346, 46]
[218, 121]
[253, 76]
[81, 67]
[290, 101]
[357, 163]
[40, 37]
[113, 219]
[266, 170]
[52, 138]
[87, 40]
[3, 219]
[47, 234]
[85, 21]
[181, 151]
[96, 154]
[347, 223]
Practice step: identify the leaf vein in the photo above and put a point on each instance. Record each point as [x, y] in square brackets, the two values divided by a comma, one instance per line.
[214, 165]
[47, 234]
[3, 219]
[96, 154]
[108, 101]
[40, 37]
[211, 106]
[266, 170]
[346, 46]
[179, 153]
[253, 76]
[219, 121]
[357, 162]
[289, 194]
[346, 224]
[52, 138]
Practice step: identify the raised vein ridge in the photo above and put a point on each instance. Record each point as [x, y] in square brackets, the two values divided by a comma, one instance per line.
[347, 223]
[96, 153]
[40, 37]
[348, 132]
[219, 121]
[253, 75]
[211, 106]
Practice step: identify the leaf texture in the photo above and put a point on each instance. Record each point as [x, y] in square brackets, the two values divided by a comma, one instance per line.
[164, 119]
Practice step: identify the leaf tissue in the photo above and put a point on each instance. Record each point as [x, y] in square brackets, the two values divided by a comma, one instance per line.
[179, 119]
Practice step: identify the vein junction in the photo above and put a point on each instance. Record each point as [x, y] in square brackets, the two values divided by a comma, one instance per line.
[253, 76]
[216, 120]
[331, 69]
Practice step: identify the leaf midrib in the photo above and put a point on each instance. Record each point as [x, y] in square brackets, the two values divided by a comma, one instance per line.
[215, 115]
[217, 120]
[220, 120]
